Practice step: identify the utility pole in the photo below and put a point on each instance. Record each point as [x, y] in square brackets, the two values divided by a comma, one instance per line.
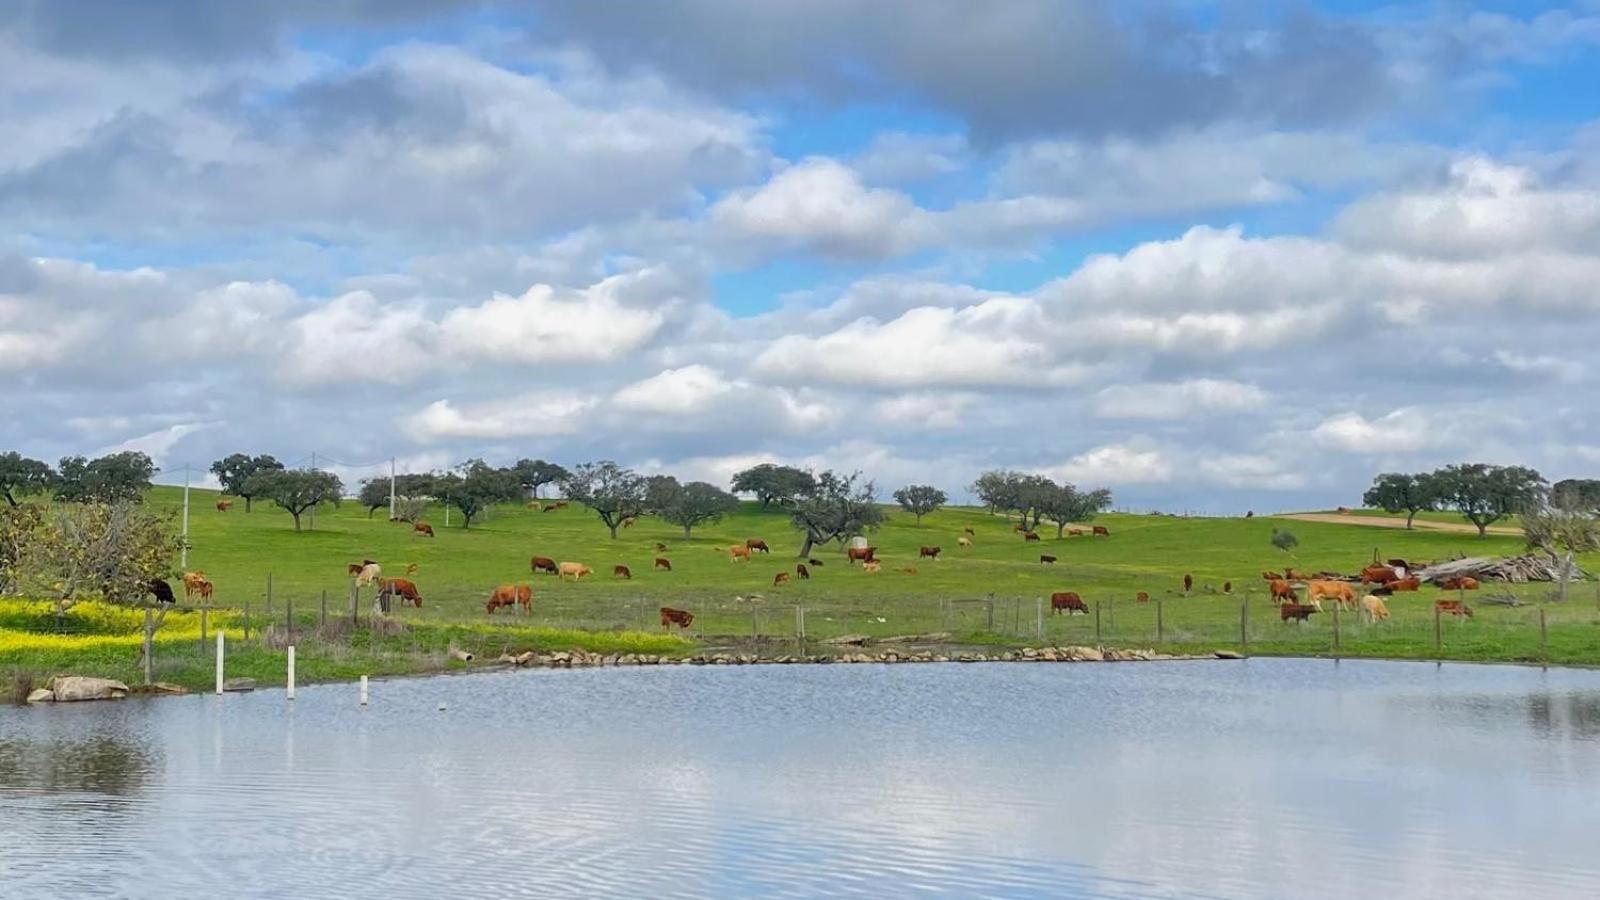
[391, 489]
[313, 506]
[183, 553]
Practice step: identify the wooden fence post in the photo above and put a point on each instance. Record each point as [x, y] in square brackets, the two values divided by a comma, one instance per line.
[149, 642]
[247, 619]
[203, 623]
[1097, 623]
[269, 595]
[1160, 622]
[1038, 617]
[1438, 636]
[1244, 621]
[322, 620]
[1336, 605]
[989, 606]
[288, 616]
[1544, 639]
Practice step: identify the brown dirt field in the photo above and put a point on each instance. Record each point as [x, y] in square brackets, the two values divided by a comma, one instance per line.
[1396, 522]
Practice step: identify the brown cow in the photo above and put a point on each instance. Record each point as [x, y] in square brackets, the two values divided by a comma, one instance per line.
[801, 570]
[739, 554]
[406, 590]
[191, 583]
[1272, 576]
[1453, 607]
[1300, 612]
[204, 588]
[1142, 597]
[1227, 587]
[1343, 510]
[1378, 574]
[422, 528]
[1459, 583]
[1411, 583]
[663, 563]
[1292, 575]
[1046, 559]
[224, 505]
[1102, 531]
[757, 544]
[660, 547]
[968, 530]
[929, 553]
[508, 596]
[679, 617]
[1029, 536]
[1075, 532]
[543, 564]
[1069, 601]
[851, 554]
[780, 578]
[371, 573]
[627, 521]
[1282, 591]
[576, 570]
[621, 572]
[814, 562]
[1340, 591]
[1188, 582]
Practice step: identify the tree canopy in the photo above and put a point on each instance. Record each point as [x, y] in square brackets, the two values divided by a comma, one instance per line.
[235, 469]
[613, 492]
[695, 503]
[1064, 504]
[774, 484]
[475, 488]
[1577, 495]
[1397, 492]
[1485, 494]
[296, 490]
[118, 478]
[21, 476]
[837, 507]
[920, 499]
[659, 490]
[374, 493]
[533, 474]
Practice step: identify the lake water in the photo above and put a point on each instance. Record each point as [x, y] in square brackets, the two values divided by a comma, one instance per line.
[1265, 778]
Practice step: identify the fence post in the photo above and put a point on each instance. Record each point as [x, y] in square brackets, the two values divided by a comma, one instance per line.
[149, 642]
[1544, 639]
[322, 620]
[1160, 622]
[755, 622]
[219, 661]
[269, 595]
[1097, 623]
[1336, 605]
[203, 612]
[1038, 617]
[800, 627]
[1244, 622]
[288, 616]
[989, 606]
[1438, 637]
[363, 690]
[289, 678]
[247, 619]
[355, 605]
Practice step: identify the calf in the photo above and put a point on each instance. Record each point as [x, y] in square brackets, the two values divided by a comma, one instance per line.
[422, 528]
[1282, 591]
[929, 553]
[756, 545]
[1030, 536]
[1102, 531]
[1272, 576]
[739, 554]
[871, 566]
[1046, 559]
[963, 541]
[1300, 612]
[1373, 608]
[543, 564]
[621, 572]
[224, 505]
[679, 617]
[814, 562]
[576, 570]
[1075, 532]
[1069, 601]
[780, 578]
[1188, 582]
[1409, 583]
[1453, 607]
[507, 596]
[1459, 583]
[371, 573]
[801, 570]
[1142, 597]
[1378, 574]
[663, 563]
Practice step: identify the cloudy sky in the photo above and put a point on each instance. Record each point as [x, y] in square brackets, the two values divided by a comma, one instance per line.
[1215, 256]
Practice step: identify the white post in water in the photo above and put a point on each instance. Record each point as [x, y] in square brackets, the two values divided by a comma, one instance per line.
[363, 690]
[289, 682]
[219, 660]
[183, 552]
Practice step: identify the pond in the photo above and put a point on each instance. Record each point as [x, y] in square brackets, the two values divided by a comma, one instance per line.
[1262, 778]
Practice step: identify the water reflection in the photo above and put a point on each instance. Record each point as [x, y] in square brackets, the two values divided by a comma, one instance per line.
[1261, 779]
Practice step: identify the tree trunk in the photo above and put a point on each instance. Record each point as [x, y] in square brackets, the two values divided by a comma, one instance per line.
[686, 532]
[1483, 529]
[805, 549]
[1409, 516]
[919, 518]
[247, 504]
[613, 530]
[11, 500]
[296, 520]
[1061, 528]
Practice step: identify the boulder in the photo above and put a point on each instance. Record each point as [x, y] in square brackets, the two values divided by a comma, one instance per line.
[41, 695]
[1228, 654]
[167, 687]
[71, 688]
[239, 685]
[848, 639]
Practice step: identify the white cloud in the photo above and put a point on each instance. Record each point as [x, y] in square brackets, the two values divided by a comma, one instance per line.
[544, 325]
[353, 337]
[1115, 464]
[1247, 471]
[684, 391]
[535, 415]
[1180, 400]
[157, 444]
[1400, 431]
[821, 205]
[926, 410]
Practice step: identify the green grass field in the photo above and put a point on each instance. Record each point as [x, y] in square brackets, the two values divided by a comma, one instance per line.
[989, 594]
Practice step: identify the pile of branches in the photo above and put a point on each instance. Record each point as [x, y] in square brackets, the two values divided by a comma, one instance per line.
[1515, 569]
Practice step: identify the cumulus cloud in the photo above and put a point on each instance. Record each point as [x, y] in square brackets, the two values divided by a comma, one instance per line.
[536, 415]
[821, 205]
[542, 325]
[1116, 464]
[1179, 400]
[1400, 431]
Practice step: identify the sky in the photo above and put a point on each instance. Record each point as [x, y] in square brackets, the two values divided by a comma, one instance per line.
[1214, 256]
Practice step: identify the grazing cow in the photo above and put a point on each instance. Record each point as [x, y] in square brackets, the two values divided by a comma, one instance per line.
[1227, 587]
[757, 545]
[160, 590]
[851, 554]
[543, 564]
[406, 590]
[1030, 536]
[1292, 575]
[1340, 591]
[508, 596]
[1300, 612]
[739, 554]
[660, 547]
[1282, 591]
[928, 553]
[1453, 607]
[679, 617]
[1019, 528]
[1272, 576]
[801, 570]
[224, 505]
[354, 569]
[1343, 510]
[1412, 583]
[559, 504]
[205, 589]
[576, 570]
[1378, 574]
[814, 562]
[1102, 531]
[1142, 597]
[627, 521]
[621, 572]
[1188, 582]
[1373, 608]
[191, 583]
[422, 528]
[780, 578]
[871, 565]
[1046, 559]
[663, 563]
[1069, 601]
[968, 530]
[369, 574]
[1075, 532]
[549, 507]
[963, 541]
[909, 570]
[1459, 583]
